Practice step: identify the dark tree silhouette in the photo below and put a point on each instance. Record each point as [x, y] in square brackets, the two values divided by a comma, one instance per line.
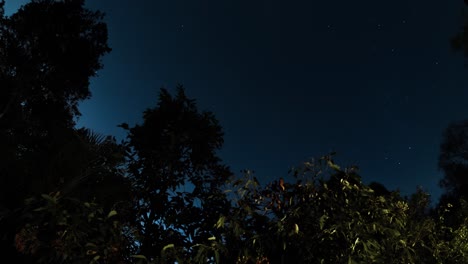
[453, 159]
[176, 175]
[379, 189]
[459, 41]
[48, 51]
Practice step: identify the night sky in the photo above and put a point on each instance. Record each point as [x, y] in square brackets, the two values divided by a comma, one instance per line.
[374, 81]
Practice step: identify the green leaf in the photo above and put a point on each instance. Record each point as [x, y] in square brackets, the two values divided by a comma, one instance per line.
[322, 220]
[333, 166]
[95, 259]
[40, 209]
[48, 198]
[90, 245]
[139, 257]
[220, 222]
[168, 247]
[90, 217]
[112, 213]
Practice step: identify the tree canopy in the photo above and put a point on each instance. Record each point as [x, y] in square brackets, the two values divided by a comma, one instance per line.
[48, 52]
[176, 175]
[163, 195]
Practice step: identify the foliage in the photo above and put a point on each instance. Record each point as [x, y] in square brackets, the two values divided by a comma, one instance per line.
[48, 52]
[69, 195]
[459, 41]
[176, 176]
[65, 230]
[89, 167]
[335, 220]
[453, 159]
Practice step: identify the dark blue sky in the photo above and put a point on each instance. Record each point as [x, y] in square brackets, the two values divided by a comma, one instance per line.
[290, 80]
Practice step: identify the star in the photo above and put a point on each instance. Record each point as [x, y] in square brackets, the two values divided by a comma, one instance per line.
[180, 27]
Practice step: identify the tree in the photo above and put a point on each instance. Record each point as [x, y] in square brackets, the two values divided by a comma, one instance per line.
[61, 229]
[453, 159]
[329, 216]
[48, 51]
[177, 176]
[459, 41]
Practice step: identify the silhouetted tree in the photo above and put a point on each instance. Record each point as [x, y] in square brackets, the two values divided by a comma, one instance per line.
[453, 159]
[459, 41]
[48, 51]
[379, 189]
[177, 176]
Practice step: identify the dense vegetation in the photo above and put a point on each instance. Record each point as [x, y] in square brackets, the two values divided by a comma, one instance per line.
[163, 195]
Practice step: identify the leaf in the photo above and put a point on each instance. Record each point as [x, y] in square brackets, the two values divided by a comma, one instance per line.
[90, 245]
[90, 217]
[333, 166]
[322, 220]
[40, 209]
[48, 198]
[168, 247]
[212, 238]
[296, 229]
[112, 213]
[95, 259]
[139, 257]
[220, 222]
[91, 252]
